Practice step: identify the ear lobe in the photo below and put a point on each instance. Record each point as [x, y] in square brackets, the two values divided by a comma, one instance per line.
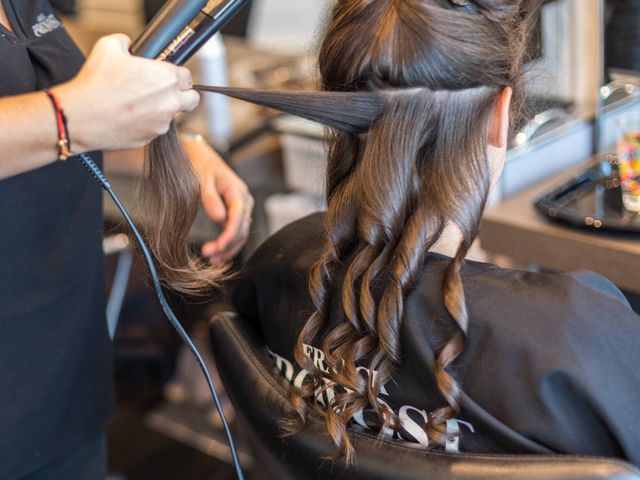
[499, 123]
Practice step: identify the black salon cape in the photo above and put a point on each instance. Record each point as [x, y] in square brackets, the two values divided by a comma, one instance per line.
[55, 373]
[552, 362]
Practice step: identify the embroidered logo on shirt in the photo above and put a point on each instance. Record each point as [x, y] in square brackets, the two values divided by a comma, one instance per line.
[46, 24]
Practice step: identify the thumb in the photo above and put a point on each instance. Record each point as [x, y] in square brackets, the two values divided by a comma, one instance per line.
[118, 41]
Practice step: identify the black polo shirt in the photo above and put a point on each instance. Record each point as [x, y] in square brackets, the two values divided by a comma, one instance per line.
[55, 368]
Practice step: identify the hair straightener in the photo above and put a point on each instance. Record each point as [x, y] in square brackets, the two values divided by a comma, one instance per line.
[182, 27]
[174, 35]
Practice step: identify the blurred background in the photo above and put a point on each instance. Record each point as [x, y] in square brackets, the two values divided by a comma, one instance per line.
[581, 77]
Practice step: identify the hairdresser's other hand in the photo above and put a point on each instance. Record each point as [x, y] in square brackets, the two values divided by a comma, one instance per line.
[225, 198]
[119, 101]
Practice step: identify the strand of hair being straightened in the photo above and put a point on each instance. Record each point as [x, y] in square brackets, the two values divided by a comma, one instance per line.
[349, 112]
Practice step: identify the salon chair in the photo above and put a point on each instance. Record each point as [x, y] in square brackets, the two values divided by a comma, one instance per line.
[259, 395]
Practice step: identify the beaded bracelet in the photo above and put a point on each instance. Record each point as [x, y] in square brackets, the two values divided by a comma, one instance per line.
[64, 141]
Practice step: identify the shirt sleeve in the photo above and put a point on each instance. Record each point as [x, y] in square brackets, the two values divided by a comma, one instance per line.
[556, 358]
[589, 383]
[597, 282]
[609, 371]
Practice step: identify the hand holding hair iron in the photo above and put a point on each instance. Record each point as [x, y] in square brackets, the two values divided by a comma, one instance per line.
[182, 27]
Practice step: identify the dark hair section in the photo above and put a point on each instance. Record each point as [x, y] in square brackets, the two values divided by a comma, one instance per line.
[322, 107]
[170, 199]
[408, 91]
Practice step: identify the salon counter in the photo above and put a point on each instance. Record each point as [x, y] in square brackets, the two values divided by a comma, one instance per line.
[515, 229]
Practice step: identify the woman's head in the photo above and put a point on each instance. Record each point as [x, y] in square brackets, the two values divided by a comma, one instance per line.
[417, 95]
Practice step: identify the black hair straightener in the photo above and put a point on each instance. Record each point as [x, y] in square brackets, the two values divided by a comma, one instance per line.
[174, 35]
[182, 27]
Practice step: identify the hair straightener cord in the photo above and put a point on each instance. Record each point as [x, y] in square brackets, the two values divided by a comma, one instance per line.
[97, 173]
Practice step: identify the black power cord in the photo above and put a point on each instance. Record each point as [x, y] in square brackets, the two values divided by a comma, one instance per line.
[97, 173]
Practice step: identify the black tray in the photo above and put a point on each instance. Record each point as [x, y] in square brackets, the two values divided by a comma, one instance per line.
[590, 200]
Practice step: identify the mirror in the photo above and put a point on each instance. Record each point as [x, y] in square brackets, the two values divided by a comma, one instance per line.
[622, 38]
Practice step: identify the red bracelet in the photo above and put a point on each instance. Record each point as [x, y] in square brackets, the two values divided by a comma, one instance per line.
[64, 144]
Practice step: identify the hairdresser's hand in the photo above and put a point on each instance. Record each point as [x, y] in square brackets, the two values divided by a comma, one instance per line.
[225, 198]
[119, 101]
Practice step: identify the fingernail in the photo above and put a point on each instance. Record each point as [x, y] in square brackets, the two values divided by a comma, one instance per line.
[210, 252]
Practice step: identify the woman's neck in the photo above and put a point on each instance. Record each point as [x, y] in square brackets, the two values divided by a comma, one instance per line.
[449, 241]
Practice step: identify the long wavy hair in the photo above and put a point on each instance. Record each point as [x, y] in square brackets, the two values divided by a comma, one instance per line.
[408, 91]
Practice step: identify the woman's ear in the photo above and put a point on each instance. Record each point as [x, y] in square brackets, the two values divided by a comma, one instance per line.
[499, 125]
